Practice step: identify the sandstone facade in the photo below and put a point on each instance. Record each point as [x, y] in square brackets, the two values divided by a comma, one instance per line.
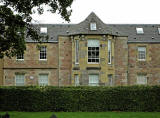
[66, 64]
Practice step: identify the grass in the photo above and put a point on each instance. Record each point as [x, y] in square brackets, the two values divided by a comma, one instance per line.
[84, 114]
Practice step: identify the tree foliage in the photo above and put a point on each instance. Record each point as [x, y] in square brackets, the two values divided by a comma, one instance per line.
[15, 22]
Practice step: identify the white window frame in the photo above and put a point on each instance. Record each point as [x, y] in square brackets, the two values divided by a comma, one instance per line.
[76, 51]
[109, 52]
[140, 54]
[43, 52]
[21, 57]
[110, 79]
[40, 81]
[19, 77]
[43, 30]
[92, 58]
[139, 30]
[91, 83]
[158, 30]
[76, 80]
[141, 79]
[93, 26]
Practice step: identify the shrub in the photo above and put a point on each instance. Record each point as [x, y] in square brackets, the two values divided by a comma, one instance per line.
[49, 98]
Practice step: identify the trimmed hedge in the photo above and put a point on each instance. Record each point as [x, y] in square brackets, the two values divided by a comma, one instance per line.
[88, 99]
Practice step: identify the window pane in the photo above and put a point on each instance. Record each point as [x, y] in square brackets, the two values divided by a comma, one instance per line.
[93, 26]
[109, 51]
[43, 30]
[43, 52]
[77, 51]
[141, 79]
[43, 79]
[93, 80]
[141, 53]
[93, 51]
[19, 79]
[76, 80]
[20, 56]
[139, 30]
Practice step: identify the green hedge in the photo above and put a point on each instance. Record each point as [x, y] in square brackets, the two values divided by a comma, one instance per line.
[127, 98]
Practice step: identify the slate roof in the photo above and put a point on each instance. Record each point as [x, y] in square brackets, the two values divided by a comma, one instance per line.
[151, 34]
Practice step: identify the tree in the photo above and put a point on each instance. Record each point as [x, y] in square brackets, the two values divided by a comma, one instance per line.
[15, 22]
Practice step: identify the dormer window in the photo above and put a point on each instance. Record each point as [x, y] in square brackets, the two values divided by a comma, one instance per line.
[139, 30]
[43, 30]
[93, 26]
[158, 30]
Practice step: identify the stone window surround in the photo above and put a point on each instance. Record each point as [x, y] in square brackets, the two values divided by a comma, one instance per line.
[109, 52]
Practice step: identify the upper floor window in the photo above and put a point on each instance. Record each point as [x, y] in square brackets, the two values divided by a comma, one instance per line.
[139, 30]
[109, 52]
[141, 79]
[159, 30]
[93, 51]
[76, 51]
[142, 53]
[43, 30]
[93, 26]
[19, 79]
[20, 56]
[43, 79]
[43, 53]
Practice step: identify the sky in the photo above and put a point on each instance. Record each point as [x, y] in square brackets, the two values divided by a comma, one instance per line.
[109, 11]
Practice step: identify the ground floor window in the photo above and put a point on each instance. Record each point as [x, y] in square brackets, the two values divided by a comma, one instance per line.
[94, 80]
[19, 80]
[141, 79]
[43, 79]
[110, 80]
[76, 80]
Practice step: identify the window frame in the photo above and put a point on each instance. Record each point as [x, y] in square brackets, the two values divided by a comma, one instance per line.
[93, 26]
[20, 59]
[139, 30]
[110, 77]
[44, 53]
[43, 84]
[43, 30]
[145, 54]
[76, 50]
[141, 76]
[18, 78]
[158, 30]
[110, 54]
[95, 52]
[93, 84]
[76, 76]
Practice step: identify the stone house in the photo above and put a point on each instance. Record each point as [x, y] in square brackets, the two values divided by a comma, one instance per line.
[89, 53]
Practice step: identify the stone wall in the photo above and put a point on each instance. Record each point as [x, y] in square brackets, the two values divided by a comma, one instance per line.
[150, 67]
[121, 61]
[32, 66]
[1, 71]
[65, 60]
[83, 69]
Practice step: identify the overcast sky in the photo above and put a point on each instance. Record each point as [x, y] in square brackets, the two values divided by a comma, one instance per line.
[110, 11]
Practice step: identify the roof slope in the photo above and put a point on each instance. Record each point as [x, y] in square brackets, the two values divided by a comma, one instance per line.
[151, 33]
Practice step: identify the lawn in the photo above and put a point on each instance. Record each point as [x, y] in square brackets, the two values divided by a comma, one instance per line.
[85, 114]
